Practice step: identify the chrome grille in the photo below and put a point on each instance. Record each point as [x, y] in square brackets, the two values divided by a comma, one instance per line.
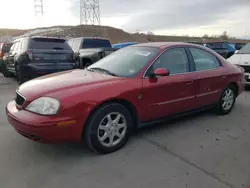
[19, 99]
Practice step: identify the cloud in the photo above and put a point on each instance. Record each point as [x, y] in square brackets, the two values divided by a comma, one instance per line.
[182, 14]
[160, 16]
[171, 15]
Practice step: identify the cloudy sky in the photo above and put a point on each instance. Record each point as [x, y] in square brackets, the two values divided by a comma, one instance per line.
[174, 17]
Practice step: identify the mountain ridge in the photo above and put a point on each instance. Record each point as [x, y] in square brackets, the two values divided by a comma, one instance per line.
[114, 34]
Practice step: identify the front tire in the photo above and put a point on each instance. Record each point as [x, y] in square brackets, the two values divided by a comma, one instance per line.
[227, 101]
[5, 72]
[108, 128]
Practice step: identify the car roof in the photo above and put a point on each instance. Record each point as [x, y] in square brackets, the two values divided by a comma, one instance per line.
[101, 38]
[165, 44]
[40, 37]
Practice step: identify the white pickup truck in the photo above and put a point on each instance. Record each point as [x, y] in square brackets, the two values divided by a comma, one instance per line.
[242, 59]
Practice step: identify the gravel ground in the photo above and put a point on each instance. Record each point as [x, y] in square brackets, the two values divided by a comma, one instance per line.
[201, 151]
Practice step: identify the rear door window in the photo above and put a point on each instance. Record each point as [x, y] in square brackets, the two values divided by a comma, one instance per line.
[204, 60]
[48, 43]
[96, 43]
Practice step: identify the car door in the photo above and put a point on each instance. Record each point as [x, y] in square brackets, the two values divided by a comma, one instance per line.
[163, 96]
[210, 77]
[12, 56]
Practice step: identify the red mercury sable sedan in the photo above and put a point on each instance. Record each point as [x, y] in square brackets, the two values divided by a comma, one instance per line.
[132, 87]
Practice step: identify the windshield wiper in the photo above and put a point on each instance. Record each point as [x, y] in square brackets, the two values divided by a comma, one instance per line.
[101, 70]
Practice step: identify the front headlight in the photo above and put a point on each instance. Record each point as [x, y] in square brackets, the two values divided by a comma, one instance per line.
[44, 106]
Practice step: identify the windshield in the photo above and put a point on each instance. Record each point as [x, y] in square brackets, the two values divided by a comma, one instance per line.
[126, 62]
[245, 49]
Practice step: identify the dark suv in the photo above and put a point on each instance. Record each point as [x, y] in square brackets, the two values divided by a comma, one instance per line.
[88, 50]
[31, 57]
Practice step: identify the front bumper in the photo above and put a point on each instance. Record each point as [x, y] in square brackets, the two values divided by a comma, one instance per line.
[45, 129]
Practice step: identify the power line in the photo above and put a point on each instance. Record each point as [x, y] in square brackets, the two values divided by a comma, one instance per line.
[90, 12]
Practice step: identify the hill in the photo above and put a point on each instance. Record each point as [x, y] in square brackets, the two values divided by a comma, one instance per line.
[114, 34]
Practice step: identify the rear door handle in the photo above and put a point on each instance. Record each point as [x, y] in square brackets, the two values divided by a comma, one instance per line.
[188, 82]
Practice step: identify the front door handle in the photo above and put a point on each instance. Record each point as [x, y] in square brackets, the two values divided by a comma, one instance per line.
[224, 77]
[188, 82]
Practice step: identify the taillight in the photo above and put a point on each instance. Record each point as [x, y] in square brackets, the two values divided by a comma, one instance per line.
[30, 55]
[1, 54]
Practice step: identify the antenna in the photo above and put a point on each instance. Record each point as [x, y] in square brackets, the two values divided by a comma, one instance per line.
[38, 7]
[246, 33]
[90, 12]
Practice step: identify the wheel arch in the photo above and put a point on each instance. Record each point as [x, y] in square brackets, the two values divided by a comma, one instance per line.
[128, 105]
[235, 85]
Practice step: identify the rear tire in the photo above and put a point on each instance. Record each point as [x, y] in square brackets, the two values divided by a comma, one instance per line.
[108, 128]
[227, 101]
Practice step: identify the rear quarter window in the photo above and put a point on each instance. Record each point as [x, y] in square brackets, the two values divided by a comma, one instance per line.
[48, 43]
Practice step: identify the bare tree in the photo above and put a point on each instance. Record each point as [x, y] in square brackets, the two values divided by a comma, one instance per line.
[224, 36]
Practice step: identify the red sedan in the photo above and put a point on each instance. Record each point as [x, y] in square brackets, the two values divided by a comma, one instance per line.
[132, 87]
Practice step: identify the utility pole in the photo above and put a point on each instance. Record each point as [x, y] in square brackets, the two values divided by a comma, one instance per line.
[39, 11]
[90, 12]
[246, 32]
[38, 7]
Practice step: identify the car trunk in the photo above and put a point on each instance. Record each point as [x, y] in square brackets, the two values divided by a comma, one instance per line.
[46, 61]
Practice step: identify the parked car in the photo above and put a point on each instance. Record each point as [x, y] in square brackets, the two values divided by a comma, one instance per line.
[123, 45]
[238, 46]
[4, 48]
[242, 59]
[222, 51]
[196, 42]
[88, 50]
[133, 87]
[31, 57]
[222, 47]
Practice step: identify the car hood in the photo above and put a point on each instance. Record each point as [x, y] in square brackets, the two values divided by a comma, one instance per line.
[240, 59]
[63, 81]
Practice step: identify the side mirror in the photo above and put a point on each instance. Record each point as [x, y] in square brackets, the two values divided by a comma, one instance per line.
[160, 72]
[237, 51]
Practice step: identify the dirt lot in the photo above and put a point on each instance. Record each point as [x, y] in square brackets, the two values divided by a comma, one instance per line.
[202, 151]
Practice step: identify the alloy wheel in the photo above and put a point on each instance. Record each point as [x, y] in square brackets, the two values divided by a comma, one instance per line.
[112, 129]
[228, 99]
